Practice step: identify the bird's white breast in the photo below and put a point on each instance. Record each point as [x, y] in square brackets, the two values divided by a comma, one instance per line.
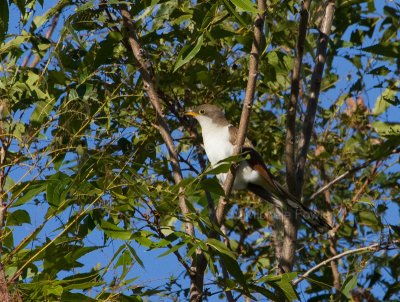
[218, 147]
[216, 142]
[215, 139]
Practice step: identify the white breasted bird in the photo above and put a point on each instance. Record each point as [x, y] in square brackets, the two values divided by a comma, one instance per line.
[219, 137]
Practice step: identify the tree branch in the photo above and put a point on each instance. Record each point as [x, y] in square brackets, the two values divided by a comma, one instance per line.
[340, 177]
[256, 50]
[199, 263]
[370, 248]
[292, 104]
[357, 196]
[285, 249]
[333, 235]
[218, 216]
[149, 87]
[50, 31]
[5, 144]
[316, 79]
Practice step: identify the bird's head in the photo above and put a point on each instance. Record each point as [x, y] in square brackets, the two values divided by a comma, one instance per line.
[207, 113]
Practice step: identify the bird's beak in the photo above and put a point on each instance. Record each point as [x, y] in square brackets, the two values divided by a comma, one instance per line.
[191, 113]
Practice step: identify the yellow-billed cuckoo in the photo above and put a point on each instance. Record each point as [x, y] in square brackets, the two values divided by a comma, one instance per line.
[219, 137]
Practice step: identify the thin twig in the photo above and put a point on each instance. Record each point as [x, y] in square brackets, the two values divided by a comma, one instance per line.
[340, 177]
[370, 248]
[247, 103]
[155, 225]
[50, 31]
[357, 196]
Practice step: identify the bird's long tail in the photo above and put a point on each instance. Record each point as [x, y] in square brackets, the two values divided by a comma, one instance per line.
[309, 216]
[294, 207]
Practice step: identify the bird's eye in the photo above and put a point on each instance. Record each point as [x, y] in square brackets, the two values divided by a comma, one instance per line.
[202, 111]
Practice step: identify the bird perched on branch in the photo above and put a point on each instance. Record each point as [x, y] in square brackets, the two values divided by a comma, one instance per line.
[219, 137]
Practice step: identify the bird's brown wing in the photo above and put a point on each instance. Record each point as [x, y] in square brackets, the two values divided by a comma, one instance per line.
[256, 162]
[273, 191]
[233, 133]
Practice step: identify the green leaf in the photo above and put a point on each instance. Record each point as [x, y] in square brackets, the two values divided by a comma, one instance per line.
[212, 185]
[369, 218]
[142, 237]
[77, 253]
[18, 217]
[384, 101]
[387, 129]
[114, 231]
[287, 287]
[245, 5]
[319, 283]
[388, 49]
[386, 148]
[106, 47]
[234, 269]
[135, 255]
[349, 285]
[209, 17]
[124, 259]
[27, 190]
[187, 53]
[57, 188]
[220, 168]
[82, 281]
[263, 291]
[223, 165]
[282, 282]
[233, 12]
[171, 250]
[42, 110]
[14, 43]
[56, 290]
[76, 297]
[220, 247]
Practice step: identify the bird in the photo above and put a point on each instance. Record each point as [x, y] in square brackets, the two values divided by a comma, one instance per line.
[252, 174]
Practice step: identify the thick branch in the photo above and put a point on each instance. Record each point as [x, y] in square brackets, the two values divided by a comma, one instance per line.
[247, 104]
[149, 86]
[370, 248]
[316, 80]
[333, 235]
[292, 105]
[201, 262]
[4, 291]
[286, 248]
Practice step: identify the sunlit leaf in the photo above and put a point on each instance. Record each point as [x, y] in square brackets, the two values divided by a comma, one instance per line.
[349, 285]
[385, 100]
[188, 52]
[245, 5]
[18, 217]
